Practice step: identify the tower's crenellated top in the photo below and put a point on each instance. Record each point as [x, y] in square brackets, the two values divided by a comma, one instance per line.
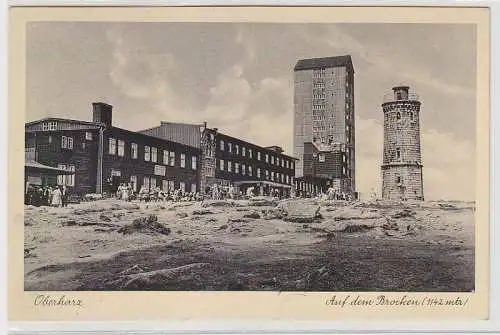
[401, 93]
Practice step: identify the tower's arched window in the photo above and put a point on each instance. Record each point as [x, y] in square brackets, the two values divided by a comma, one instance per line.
[398, 115]
[411, 116]
[398, 153]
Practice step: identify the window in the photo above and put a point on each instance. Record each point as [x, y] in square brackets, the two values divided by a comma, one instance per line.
[243, 169]
[183, 160]
[88, 136]
[272, 159]
[267, 174]
[66, 179]
[49, 125]
[249, 170]
[236, 168]
[221, 145]
[229, 168]
[154, 155]
[398, 153]
[398, 115]
[67, 142]
[165, 157]
[291, 164]
[282, 162]
[243, 151]
[343, 158]
[258, 172]
[50, 139]
[258, 155]
[398, 180]
[121, 148]
[272, 175]
[344, 170]
[134, 151]
[112, 146]
[153, 183]
[133, 182]
[230, 147]
[267, 158]
[250, 153]
[287, 179]
[116, 173]
[321, 157]
[193, 188]
[411, 116]
[172, 158]
[193, 163]
[282, 178]
[182, 186]
[221, 164]
[145, 183]
[164, 185]
[287, 164]
[147, 154]
[237, 149]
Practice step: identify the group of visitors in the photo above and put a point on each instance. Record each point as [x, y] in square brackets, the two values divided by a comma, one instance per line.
[36, 195]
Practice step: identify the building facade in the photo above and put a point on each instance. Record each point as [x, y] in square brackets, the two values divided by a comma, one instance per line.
[229, 160]
[324, 113]
[402, 177]
[103, 156]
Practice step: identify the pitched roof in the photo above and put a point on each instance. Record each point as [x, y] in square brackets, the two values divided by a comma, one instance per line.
[325, 62]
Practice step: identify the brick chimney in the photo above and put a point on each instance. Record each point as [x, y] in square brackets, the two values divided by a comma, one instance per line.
[102, 113]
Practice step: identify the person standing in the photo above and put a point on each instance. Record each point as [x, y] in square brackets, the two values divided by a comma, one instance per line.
[57, 197]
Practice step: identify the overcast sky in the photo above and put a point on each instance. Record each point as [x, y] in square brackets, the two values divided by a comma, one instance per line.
[239, 78]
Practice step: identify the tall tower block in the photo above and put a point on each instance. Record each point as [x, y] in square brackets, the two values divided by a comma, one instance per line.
[402, 162]
[324, 114]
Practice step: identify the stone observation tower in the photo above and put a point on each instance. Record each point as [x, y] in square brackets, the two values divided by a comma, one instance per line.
[402, 162]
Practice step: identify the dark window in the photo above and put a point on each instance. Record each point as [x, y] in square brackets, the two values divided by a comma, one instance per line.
[398, 115]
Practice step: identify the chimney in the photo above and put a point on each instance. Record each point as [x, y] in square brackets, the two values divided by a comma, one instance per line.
[102, 113]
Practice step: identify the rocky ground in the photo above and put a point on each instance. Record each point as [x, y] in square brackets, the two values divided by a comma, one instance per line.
[259, 244]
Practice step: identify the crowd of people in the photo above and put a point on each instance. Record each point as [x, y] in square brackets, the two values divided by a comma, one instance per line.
[57, 196]
[36, 195]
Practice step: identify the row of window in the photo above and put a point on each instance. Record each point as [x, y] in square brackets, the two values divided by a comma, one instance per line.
[247, 170]
[274, 160]
[67, 179]
[151, 183]
[117, 147]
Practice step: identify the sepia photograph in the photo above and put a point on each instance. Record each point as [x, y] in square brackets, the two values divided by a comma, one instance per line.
[201, 156]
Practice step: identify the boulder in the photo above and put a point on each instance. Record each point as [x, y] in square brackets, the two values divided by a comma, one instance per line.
[147, 224]
[252, 215]
[299, 211]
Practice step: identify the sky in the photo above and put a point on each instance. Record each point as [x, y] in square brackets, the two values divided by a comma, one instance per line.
[239, 78]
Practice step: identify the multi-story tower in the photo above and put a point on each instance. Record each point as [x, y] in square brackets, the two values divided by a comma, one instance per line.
[402, 162]
[324, 113]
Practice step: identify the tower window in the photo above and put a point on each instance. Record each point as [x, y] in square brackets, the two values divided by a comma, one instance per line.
[398, 153]
[411, 116]
[398, 179]
[398, 115]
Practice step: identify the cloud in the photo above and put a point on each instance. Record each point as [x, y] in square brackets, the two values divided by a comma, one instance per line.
[403, 69]
[145, 76]
[449, 163]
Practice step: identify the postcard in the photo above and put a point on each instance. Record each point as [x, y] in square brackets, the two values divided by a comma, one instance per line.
[277, 163]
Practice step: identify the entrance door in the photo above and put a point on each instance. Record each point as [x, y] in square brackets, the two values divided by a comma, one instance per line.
[115, 182]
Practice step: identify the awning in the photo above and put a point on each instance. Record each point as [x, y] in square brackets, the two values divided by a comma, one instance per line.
[45, 168]
[245, 182]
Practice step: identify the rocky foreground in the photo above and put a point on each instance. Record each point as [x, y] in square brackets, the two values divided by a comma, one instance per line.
[258, 244]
